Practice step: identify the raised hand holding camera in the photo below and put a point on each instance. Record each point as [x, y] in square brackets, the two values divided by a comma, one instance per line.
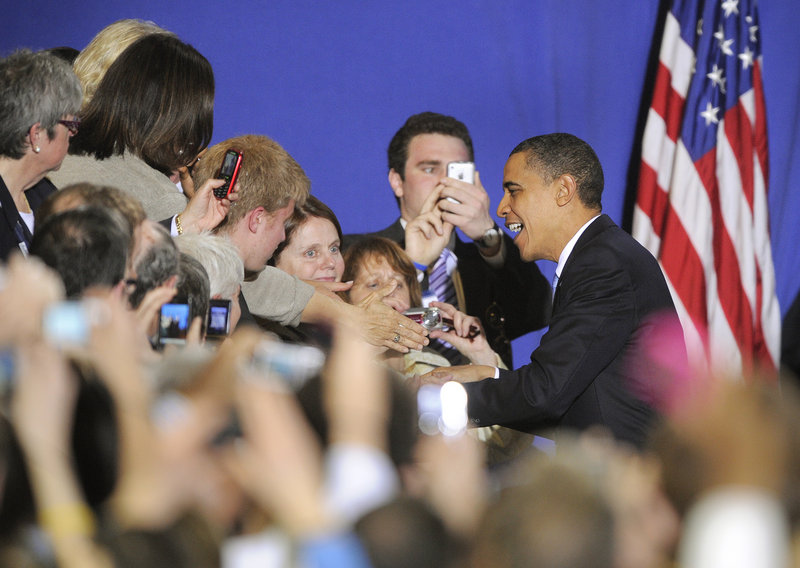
[471, 214]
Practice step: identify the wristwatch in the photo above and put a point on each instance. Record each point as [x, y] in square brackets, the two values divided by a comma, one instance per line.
[490, 239]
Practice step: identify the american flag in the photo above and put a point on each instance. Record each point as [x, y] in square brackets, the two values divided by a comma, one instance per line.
[702, 199]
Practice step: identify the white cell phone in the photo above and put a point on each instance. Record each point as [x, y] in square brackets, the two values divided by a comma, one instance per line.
[464, 171]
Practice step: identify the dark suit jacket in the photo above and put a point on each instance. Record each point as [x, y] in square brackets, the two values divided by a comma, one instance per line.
[584, 371]
[510, 301]
[12, 227]
[790, 340]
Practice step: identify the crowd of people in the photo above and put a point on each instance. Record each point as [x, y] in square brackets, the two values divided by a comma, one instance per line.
[235, 381]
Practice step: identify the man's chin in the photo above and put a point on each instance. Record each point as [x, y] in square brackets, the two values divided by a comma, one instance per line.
[520, 242]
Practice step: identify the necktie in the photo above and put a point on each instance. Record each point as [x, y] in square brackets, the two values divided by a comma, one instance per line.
[441, 278]
[440, 283]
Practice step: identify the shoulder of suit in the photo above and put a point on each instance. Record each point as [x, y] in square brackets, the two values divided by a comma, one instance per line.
[393, 232]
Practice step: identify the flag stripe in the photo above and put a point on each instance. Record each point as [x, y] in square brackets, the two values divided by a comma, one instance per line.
[701, 206]
[668, 103]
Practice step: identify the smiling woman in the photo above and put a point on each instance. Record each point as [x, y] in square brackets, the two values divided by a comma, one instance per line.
[39, 99]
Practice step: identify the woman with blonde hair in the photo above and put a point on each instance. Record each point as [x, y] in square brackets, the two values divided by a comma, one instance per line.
[94, 60]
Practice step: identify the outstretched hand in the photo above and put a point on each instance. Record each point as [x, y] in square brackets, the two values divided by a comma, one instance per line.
[28, 287]
[329, 288]
[466, 335]
[459, 373]
[383, 326]
[279, 461]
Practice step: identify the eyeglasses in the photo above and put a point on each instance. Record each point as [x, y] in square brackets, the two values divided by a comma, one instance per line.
[72, 125]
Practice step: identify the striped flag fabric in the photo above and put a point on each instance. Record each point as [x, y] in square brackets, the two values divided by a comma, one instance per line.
[701, 204]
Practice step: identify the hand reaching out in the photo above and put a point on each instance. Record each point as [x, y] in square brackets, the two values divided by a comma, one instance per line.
[279, 462]
[29, 287]
[462, 336]
[381, 324]
[459, 373]
[43, 404]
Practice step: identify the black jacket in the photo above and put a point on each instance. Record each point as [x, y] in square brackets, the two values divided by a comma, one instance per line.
[588, 368]
[13, 229]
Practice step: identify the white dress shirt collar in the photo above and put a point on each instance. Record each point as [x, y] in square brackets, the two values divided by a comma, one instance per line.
[562, 259]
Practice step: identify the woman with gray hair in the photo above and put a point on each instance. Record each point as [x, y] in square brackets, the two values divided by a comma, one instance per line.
[39, 100]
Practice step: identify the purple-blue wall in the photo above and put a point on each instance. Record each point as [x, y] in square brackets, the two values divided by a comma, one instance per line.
[333, 81]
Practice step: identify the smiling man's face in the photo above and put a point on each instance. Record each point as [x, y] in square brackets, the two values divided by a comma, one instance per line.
[530, 209]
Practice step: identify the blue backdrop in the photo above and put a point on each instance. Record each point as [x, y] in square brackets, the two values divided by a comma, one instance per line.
[332, 82]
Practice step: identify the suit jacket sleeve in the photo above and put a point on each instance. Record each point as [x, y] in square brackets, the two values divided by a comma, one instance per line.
[593, 318]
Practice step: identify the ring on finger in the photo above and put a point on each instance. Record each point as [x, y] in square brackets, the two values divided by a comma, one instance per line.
[396, 338]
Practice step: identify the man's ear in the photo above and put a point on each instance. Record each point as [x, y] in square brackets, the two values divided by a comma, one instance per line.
[566, 190]
[255, 218]
[396, 182]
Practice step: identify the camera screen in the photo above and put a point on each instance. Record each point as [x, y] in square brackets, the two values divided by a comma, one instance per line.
[228, 165]
[218, 320]
[174, 323]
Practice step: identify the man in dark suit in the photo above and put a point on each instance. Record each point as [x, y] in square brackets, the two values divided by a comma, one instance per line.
[491, 282]
[610, 302]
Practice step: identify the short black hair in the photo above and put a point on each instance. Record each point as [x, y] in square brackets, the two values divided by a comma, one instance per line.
[425, 123]
[87, 246]
[553, 155]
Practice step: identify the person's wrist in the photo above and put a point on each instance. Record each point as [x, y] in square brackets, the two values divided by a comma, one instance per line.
[185, 222]
[67, 520]
[481, 225]
[490, 239]
[422, 258]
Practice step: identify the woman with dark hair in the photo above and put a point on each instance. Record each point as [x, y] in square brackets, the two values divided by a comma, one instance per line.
[39, 100]
[152, 114]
